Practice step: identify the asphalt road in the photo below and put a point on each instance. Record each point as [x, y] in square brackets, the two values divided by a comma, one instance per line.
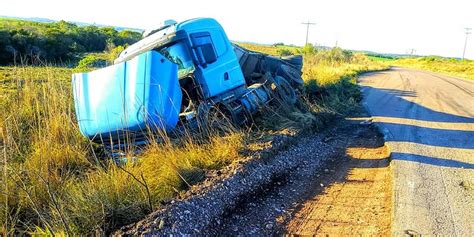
[428, 123]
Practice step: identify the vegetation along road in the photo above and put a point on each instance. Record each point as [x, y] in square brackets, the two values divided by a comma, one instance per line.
[428, 123]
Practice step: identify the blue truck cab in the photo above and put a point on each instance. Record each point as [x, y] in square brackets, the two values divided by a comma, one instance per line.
[198, 46]
[177, 73]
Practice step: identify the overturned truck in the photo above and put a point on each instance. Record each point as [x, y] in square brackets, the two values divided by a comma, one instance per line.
[180, 74]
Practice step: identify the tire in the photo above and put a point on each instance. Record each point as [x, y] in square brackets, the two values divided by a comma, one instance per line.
[272, 64]
[284, 91]
[215, 117]
[294, 60]
[291, 75]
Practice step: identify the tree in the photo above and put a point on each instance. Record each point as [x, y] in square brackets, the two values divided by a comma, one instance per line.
[58, 41]
[5, 41]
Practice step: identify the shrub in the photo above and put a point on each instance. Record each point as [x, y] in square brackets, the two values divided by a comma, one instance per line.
[91, 61]
[330, 78]
[113, 52]
[284, 52]
[308, 49]
[30, 42]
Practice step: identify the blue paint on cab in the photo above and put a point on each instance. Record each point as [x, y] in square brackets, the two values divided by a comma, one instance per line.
[141, 93]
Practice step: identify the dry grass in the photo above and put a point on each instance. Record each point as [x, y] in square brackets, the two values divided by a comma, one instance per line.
[329, 75]
[454, 67]
[275, 50]
[54, 180]
[330, 78]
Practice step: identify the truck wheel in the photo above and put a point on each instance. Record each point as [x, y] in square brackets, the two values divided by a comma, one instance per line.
[291, 75]
[284, 91]
[214, 117]
[294, 60]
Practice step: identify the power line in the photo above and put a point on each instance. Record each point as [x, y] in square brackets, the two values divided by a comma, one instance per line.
[307, 29]
[468, 32]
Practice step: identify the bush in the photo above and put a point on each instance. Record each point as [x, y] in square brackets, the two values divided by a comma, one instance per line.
[32, 42]
[91, 61]
[284, 52]
[309, 49]
[330, 78]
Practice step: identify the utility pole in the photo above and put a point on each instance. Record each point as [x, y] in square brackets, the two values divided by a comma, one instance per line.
[307, 29]
[468, 32]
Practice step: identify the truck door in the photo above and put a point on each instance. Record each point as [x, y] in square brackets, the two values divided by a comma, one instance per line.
[220, 69]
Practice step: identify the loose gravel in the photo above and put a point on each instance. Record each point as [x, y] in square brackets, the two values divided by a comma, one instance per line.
[246, 198]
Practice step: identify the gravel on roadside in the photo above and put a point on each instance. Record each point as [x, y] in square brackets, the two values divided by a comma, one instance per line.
[284, 171]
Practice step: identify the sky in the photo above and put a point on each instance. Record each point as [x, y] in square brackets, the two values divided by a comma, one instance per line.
[430, 27]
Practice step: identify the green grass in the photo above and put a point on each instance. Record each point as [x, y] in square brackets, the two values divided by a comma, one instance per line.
[330, 78]
[53, 181]
[380, 58]
[453, 67]
[276, 50]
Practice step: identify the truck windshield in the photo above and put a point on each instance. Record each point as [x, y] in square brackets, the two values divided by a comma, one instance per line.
[179, 54]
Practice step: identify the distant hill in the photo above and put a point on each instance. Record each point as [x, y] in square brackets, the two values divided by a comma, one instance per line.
[385, 55]
[35, 19]
[46, 20]
[398, 56]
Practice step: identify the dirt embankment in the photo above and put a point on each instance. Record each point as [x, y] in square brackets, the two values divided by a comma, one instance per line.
[358, 200]
[334, 182]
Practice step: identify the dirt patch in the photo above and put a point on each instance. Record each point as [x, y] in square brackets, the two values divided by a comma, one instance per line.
[338, 175]
[358, 200]
[332, 158]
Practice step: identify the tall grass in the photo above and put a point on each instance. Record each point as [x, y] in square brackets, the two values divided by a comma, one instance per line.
[330, 78]
[329, 74]
[54, 180]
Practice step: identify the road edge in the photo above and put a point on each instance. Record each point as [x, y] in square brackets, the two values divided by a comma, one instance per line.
[393, 167]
